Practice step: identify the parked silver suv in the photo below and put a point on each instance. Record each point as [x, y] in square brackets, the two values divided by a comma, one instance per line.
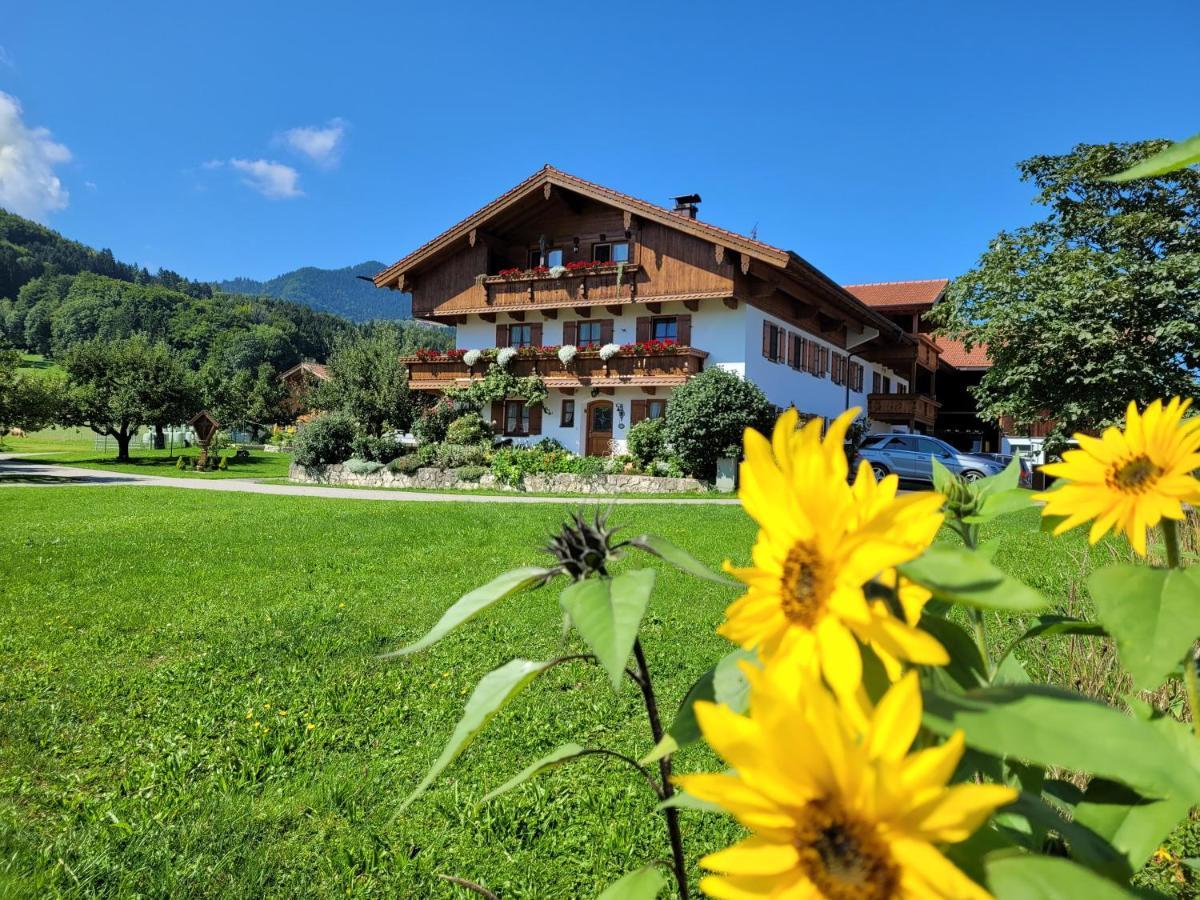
[909, 455]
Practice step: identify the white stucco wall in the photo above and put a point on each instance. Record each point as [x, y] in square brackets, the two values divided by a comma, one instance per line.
[573, 437]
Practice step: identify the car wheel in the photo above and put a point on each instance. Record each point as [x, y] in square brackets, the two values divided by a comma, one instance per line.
[880, 471]
[971, 475]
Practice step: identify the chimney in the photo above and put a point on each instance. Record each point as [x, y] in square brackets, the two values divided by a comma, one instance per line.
[687, 205]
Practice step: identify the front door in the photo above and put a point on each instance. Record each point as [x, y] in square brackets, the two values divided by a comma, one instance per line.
[599, 428]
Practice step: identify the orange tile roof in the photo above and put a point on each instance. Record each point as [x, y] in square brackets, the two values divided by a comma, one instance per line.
[956, 354]
[884, 294]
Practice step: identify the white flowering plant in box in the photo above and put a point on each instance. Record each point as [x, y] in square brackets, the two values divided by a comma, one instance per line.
[471, 357]
[557, 271]
[608, 351]
[505, 356]
[566, 353]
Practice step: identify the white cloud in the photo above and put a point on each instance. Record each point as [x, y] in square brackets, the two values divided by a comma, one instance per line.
[269, 178]
[5, 59]
[321, 145]
[28, 185]
[212, 164]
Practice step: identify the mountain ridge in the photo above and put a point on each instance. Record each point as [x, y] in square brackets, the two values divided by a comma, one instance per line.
[338, 291]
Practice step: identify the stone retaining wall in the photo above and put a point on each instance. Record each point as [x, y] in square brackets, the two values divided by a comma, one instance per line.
[443, 479]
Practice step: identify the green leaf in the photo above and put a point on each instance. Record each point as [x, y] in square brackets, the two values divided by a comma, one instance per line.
[494, 690]
[1053, 727]
[943, 478]
[555, 758]
[680, 559]
[1046, 626]
[1031, 877]
[470, 605]
[966, 666]
[608, 613]
[1002, 482]
[1152, 614]
[684, 800]
[955, 573]
[1179, 155]
[642, 884]
[1133, 824]
[1000, 504]
[723, 683]
[1087, 847]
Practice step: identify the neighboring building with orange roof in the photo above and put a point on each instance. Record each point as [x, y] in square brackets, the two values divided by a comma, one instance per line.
[299, 381]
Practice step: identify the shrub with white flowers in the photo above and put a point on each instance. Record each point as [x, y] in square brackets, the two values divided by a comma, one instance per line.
[505, 356]
[608, 351]
[566, 353]
[472, 356]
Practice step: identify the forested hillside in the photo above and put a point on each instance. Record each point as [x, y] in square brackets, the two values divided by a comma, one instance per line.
[338, 291]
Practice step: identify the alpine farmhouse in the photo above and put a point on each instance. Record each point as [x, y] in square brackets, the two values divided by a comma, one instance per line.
[559, 260]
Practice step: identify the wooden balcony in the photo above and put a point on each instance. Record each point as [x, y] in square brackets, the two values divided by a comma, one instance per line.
[901, 357]
[903, 409]
[582, 287]
[586, 370]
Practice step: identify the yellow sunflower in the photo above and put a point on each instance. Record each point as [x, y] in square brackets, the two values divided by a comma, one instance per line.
[1129, 480]
[820, 541]
[836, 810]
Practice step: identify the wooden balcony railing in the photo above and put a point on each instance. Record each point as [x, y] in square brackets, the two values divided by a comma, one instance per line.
[602, 284]
[586, 369]
[900, 357]
[903, 408]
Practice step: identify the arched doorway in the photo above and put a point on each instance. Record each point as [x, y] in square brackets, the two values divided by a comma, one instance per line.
[599, 428]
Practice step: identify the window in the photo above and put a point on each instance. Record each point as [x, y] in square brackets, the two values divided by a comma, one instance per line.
[773, 342]
[876, 383]
[875, 440]
[590, 334]
[551, 258]
[905, 442]
[520, 336]
[887, 385]
[516, 417]
[796, 352]
[656, 409]
[567, 420]
[928, 447]
[664, 328]
[610, 253]
[856, 376]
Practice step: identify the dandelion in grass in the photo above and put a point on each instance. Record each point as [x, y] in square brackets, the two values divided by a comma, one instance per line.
[821, 541]
[1129, 480]
[837, 808]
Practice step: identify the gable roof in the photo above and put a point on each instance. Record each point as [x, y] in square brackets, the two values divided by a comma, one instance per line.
[956, 354]
[898, 294]
[315, 369]
[548, 176]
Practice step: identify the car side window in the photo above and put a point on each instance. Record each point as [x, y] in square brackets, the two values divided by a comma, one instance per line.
[928, 447]
[904, 442]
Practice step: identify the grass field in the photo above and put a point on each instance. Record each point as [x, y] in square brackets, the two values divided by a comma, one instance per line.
[165, 653]
[77, 447]
[33, 363]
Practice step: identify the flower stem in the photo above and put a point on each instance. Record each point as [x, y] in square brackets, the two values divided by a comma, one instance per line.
[1191, 684]
[981, 641]
[1171, 541]
[678, 862]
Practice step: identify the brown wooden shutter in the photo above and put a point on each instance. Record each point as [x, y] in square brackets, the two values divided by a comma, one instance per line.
[637, 411]
[766, 339]
[535, 419]
[606, 331]
[642, 329]
[535, 334]
[501, 335]
[683, 330]
[570, 332]
[791, 348]
[498, 416]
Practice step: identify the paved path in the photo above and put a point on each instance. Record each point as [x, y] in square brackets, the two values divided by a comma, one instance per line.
[15, 472]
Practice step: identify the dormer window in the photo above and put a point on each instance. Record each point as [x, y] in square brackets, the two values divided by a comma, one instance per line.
[613, 252]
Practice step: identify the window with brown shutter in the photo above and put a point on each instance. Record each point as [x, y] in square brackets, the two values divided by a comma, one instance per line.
[570, 330]
[606, 331]
[856, 376]
[517, 418]
[772, 337]
[642, 329]
[590, 334]
[876, 383]
[683, 327]
[535, 418]
[637, 411]
[498, 416]
[535, 337]
[656, 409]
[501, 335]
[767, 326]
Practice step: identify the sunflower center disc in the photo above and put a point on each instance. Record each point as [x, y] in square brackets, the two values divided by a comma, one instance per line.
[1135, 475]
[845, 858]
[804, 585]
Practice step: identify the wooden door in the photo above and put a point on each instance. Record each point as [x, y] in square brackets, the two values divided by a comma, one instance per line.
[599, 428]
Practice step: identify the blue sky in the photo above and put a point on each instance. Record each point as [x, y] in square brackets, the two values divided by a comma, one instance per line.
[876, 139]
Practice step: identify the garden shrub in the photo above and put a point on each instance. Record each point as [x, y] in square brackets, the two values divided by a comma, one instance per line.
[708, 416]
[325, 440]
[363, 466]
[223, 464]
[451, 456]
[468, 429]
[548, 444]
[648, 441]
[470, 473]
[431, 425]
[382, 449]
[405, 465]
[511, 464]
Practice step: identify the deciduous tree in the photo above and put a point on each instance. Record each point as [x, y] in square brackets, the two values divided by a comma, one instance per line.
[368, 381]
[1093, 305]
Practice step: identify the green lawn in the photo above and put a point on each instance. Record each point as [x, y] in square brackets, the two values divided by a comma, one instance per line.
[36, 364]
[165, 651]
